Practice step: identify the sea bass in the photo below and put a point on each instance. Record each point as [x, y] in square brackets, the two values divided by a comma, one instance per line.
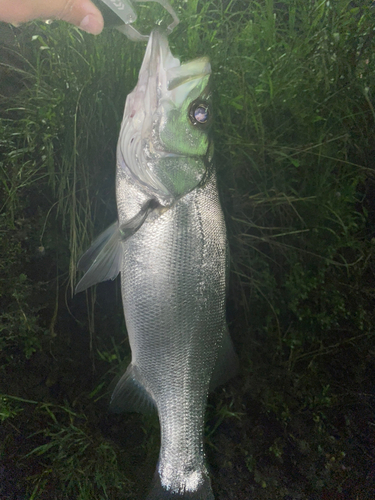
[170, 246]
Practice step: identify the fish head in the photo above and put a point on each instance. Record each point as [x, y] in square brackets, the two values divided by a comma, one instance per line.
[164, 139]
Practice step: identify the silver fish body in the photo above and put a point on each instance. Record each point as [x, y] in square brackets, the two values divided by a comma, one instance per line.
[173, 281]
[170, 244]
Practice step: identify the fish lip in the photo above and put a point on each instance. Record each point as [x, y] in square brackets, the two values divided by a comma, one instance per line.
[161, 69]
[158, 56]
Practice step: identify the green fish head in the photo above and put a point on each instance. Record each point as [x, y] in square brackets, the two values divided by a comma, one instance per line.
[164, 139]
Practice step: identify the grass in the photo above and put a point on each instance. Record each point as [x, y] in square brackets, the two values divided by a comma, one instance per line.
[294, 129]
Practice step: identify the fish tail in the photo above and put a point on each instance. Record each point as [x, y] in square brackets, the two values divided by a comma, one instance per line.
[158, 492]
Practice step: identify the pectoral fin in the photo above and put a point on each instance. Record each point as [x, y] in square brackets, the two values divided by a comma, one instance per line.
[102, 261]
[132, 225]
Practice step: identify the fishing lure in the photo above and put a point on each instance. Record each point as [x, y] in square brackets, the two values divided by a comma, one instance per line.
[125, 11]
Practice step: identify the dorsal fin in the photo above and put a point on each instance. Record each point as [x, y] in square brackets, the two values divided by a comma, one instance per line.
[227, 363]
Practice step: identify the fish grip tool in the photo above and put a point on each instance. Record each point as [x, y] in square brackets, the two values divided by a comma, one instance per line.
[120, 14]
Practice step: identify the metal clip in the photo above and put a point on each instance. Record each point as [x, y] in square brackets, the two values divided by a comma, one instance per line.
[124, 9]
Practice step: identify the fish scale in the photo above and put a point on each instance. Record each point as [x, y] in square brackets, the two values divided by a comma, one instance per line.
[182, 285]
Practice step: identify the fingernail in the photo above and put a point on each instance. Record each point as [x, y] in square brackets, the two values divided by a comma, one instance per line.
[92, 24]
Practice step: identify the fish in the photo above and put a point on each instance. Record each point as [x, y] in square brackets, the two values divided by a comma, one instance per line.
[170, 247]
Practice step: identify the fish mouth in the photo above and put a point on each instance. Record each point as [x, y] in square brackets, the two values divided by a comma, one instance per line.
[165, 73]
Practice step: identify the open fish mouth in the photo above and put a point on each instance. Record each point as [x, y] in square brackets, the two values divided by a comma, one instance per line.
[166, 73]
[162, 77]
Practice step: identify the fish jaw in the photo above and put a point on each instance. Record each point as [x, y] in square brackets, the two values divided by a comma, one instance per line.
[157, 105]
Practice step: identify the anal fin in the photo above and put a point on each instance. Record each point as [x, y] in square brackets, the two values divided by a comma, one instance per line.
[130, 394]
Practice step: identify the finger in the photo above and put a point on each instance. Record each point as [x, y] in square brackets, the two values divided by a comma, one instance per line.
[82, 13]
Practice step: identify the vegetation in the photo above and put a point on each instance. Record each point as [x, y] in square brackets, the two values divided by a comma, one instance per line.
[295, 151]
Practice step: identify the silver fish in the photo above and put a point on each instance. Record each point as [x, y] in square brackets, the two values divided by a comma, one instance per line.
[170, 246]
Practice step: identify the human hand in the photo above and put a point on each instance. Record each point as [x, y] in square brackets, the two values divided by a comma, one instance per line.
[81, 13]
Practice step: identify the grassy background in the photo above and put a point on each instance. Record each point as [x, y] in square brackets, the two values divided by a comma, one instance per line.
[295, 152]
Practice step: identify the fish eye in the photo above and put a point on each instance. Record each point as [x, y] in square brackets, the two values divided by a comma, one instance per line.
[199, 113]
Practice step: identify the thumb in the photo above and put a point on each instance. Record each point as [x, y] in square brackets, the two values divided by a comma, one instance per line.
[81, 13]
